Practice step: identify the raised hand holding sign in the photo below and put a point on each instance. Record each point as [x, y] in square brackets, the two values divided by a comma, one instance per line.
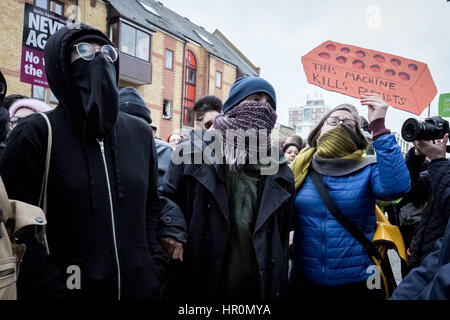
[403, 83]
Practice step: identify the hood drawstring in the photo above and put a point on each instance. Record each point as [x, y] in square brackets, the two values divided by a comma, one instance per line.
[91, 181]
[116, 166]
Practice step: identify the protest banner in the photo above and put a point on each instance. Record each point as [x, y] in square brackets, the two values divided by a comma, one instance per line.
[403, 83]
[38, 25]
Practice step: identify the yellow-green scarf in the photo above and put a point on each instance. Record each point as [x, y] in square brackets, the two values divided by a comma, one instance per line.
[336, 143]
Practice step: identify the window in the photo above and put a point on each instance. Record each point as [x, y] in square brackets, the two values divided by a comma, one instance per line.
[52, 5]
[307, 115]
[57, 7]
[128, 37]
[218, 79]
[114, 34]
[189, 90]
[191, 76]
[44, 94]
[38, 92]
[41, 4]
[167, 109]
[204, 38]
[149, 8]
[189, 117]
[134, 42]
[169, 59]
[142, 45]
[53, 99]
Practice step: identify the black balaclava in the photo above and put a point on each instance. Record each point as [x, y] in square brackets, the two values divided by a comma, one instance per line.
[97, 88]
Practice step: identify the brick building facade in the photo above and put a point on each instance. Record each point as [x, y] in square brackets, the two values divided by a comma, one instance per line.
[171, 61]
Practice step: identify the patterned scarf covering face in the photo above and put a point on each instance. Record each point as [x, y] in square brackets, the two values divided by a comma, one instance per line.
[337, 143]
[247, 117]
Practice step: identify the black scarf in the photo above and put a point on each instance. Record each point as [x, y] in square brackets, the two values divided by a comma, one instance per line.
[97, 88]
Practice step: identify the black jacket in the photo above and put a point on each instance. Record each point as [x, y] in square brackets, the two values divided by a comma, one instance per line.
[434, 218]
[200, 191]
[420, 182]
[431, 281]
[106, 242]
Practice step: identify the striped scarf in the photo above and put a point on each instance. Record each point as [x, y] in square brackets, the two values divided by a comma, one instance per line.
[334, 144]
[246, 119]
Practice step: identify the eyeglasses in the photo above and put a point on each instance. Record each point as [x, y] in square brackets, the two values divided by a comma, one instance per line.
[333, 121]
[87, 51]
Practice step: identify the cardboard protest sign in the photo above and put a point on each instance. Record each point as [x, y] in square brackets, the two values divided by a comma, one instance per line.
[403, 83]
[444, 105]
[38, 25]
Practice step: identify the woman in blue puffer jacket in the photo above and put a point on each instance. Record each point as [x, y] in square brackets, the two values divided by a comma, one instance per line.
[328, 261]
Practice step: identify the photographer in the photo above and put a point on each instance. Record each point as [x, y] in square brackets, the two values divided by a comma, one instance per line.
[435, 216]
[408, 212]
[430, 280]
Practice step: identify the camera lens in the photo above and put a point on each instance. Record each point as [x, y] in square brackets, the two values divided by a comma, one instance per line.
[430, 129]
[411, 129]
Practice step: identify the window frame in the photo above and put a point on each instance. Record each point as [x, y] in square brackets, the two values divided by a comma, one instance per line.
[59, 3]
[188, 78]
[119, 45]
[35, 97]
[221, 77]
[47, 95]
[171, 109]
[49, 6]
[190, 62]
[46, 8]
[172, 60]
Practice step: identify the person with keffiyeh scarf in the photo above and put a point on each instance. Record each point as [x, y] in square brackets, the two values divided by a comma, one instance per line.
[238, 218]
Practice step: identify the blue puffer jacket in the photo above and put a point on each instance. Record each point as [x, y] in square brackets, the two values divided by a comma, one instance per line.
[324, 252]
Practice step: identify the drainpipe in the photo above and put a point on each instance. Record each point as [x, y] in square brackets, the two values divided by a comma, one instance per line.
[183, 87]
[207, 82]
[108, 12]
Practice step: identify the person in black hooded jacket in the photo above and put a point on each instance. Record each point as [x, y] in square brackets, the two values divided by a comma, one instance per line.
[4, 114]
[103, 207]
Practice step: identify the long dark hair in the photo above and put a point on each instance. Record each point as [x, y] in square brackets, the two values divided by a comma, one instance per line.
[360, 142]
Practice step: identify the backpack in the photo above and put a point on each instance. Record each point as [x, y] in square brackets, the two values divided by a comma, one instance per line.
[14, 215]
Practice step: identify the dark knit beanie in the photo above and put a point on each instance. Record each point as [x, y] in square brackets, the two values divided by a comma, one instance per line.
[131, 102]
[246, 86]
[288, 145]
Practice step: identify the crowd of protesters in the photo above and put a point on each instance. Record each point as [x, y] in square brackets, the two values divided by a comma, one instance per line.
[141, 226]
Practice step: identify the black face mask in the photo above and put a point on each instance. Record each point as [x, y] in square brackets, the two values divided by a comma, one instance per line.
[96, 84]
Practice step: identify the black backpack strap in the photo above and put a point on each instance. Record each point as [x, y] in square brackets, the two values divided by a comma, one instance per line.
[341, 218]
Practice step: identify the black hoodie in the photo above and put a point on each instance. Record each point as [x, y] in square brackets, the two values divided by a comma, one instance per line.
[102, 214]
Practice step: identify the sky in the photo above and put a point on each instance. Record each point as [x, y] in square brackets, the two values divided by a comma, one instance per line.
[274, 35]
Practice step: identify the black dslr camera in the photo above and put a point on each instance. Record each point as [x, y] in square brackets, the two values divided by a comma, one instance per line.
[433, 128]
